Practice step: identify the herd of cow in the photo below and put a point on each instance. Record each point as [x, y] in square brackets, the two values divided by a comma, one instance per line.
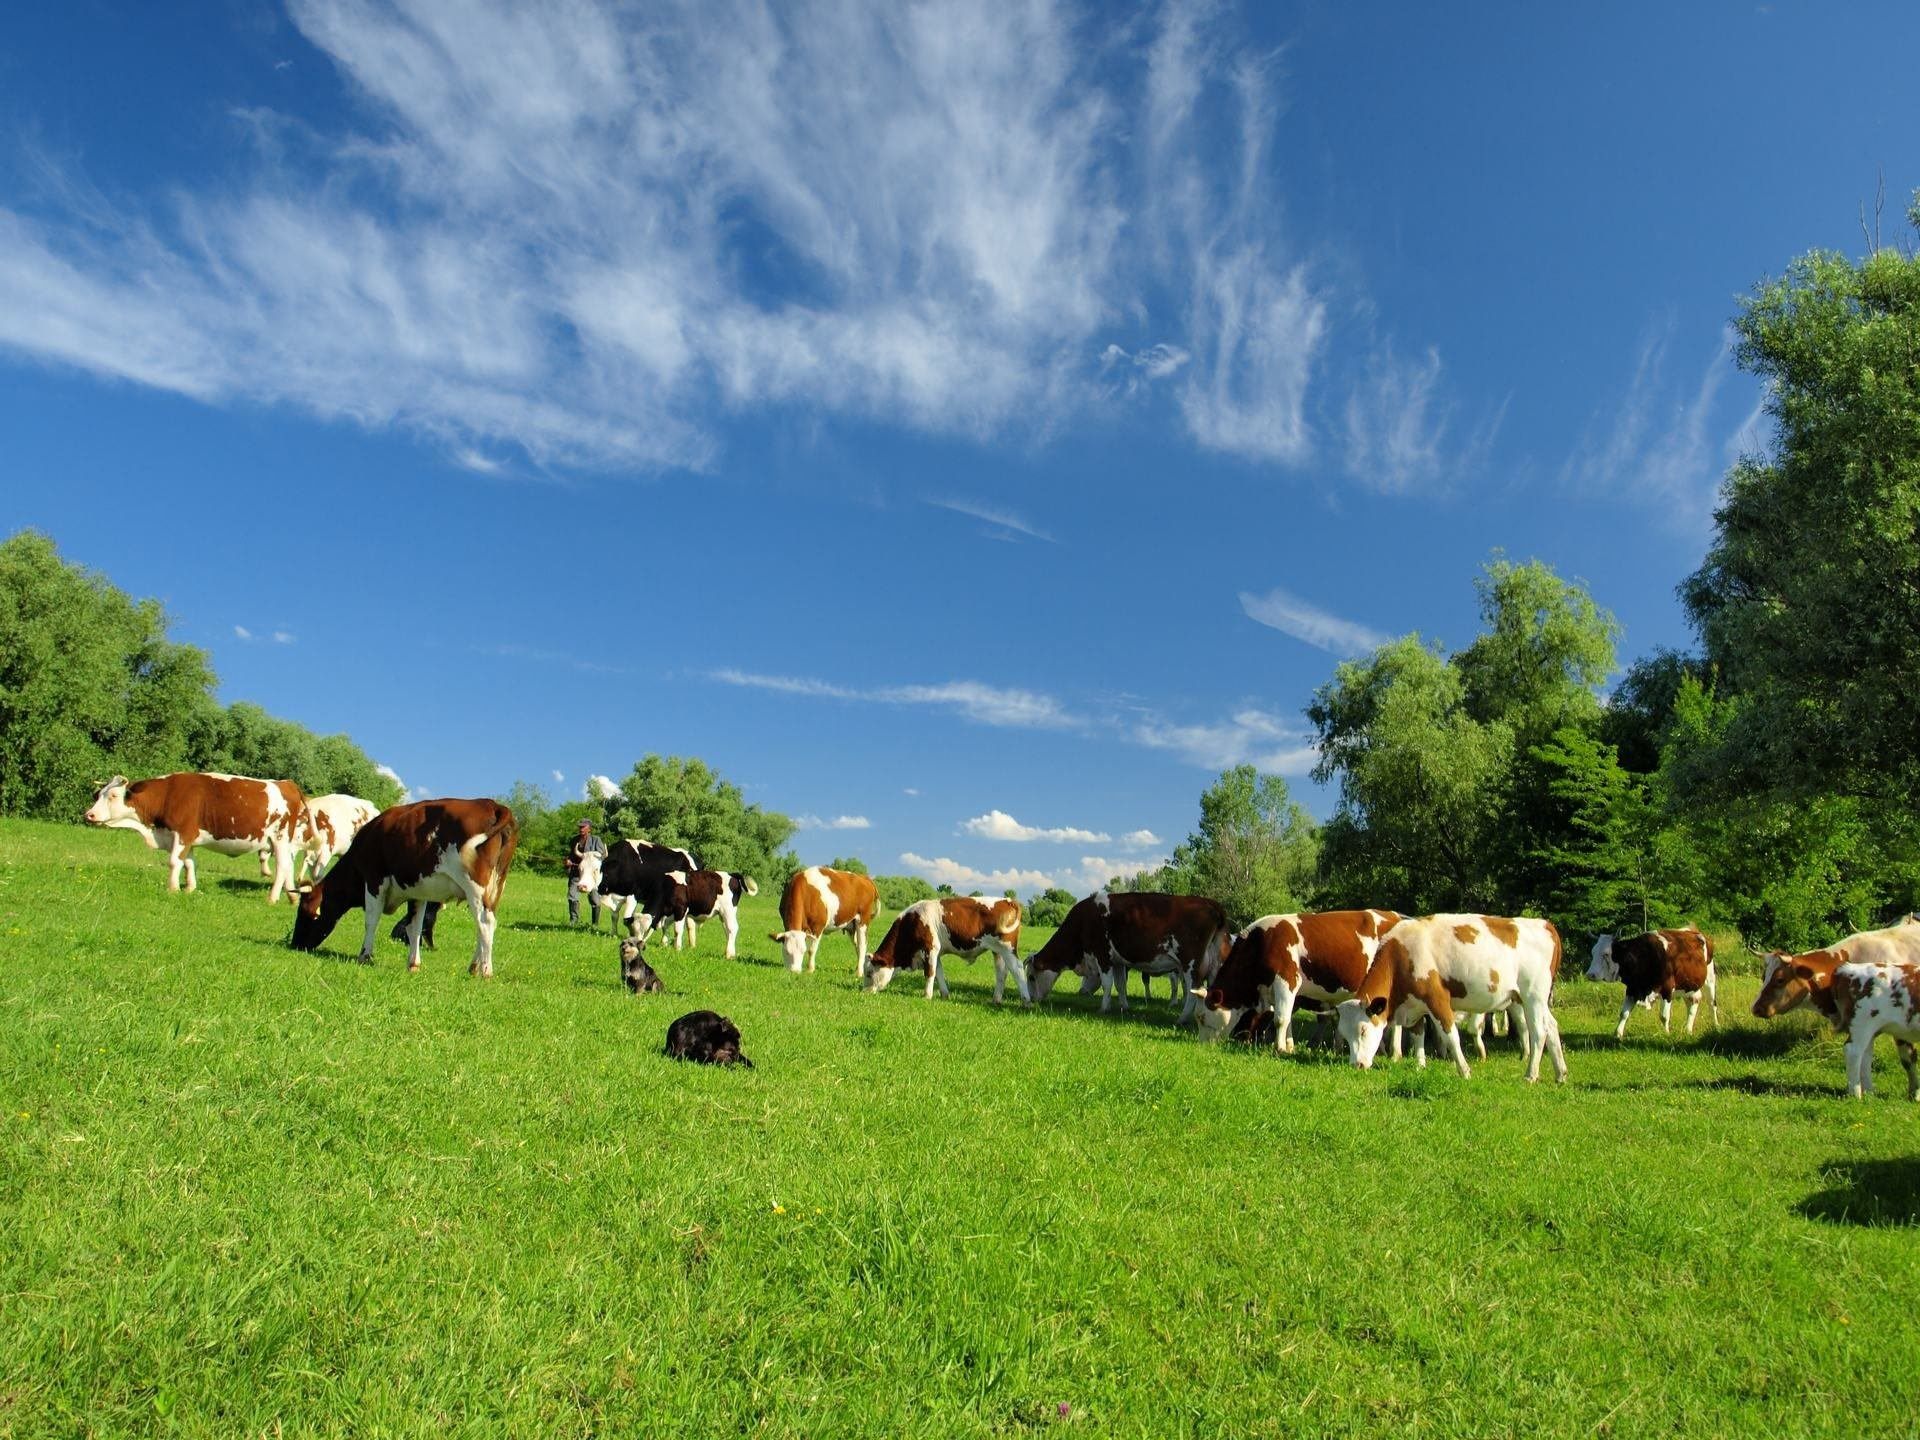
[1380, 971]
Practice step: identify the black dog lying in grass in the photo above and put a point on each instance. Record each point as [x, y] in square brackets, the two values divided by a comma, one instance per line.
[706, 1037]
[638, 976]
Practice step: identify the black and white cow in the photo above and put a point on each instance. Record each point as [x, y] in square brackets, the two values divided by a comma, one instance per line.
[619, 876]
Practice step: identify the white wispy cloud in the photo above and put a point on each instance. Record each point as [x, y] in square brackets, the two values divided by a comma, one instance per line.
[548, 230]
[282, 637]
[909, 790]
[1289, 614]
[992, 515]
[1095, 871]
[558, 778]
[982, 703]
[998, 825]
[1140, 840]
[551, 657]
[1664, 444]
[241, 632]
[1247, 737]
[943, 871]
[838, 822]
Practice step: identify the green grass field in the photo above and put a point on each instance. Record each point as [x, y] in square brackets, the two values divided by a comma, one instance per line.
[246, 1191]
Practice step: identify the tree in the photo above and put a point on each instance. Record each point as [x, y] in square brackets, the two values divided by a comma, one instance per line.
[1808, 600]
[852, 864]
[1255, 850]
[89, 683]
[676, 801]
[1049, 907]
[243, 739]
[899, 891]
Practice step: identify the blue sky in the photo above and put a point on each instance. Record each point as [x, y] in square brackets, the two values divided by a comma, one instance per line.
[978, 421]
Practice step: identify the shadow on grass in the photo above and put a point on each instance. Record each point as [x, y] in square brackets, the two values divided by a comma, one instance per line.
[1760, 1085]
[1751, 1042]
[245, 885]
[1867, 1192]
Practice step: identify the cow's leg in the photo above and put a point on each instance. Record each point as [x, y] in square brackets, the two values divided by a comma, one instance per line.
[484, 921]
[177, 862]
[1541, 1031]
[1860, 1064]
[1693, 1009]
[1713, 996]
[375, 913]
[1479, 1024]
[1284, 998]
[1666, 1012]
[1910, 1061]
[731, 920]
[1184, 979]
[1626, 1009]
[414, 921]
[282, 871]
[1553, 1044]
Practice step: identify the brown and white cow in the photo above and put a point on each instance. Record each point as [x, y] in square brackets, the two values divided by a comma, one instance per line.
[1134, 930]
[233, 814]
[819, 899]
[1446, 966]
[704, 895]
[1663, 963]
[1280, 958]
[955, 925]
[430, 850]
[1864, 984]
[328, 826]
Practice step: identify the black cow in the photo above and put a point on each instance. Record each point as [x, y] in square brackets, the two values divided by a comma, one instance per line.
[706, 1037]
[635, 973]
[626, 876]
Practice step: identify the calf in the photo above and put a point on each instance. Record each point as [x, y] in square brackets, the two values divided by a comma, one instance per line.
[233, 814]
[1133, 930]
[429, 850]
[1280, 958]
[706, 1038]
[1663, 963]
[958, 925]
[635, 973]
[702, 895]
[817, 900]
[1448, 965]
[1864, 984]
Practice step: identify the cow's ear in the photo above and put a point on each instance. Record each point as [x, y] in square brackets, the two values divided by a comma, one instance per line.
[1377, 1006]
[1803, 972]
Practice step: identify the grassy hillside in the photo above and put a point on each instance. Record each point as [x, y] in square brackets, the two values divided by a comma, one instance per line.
[244, 1190]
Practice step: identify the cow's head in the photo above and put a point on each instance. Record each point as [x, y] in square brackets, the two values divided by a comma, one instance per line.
[587, 878]
[1791, 981]
[1217, 1019]
[1362, 1025]
[1603, 966]
[1040, 982]
[110, 804]
[793, 944]
[313, 918]
[635, 973]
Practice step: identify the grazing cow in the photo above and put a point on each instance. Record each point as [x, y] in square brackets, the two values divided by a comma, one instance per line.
[817, 900]
[958, 925]
[1280, 958]
[702, 895]
[635, 973]
[233, 814]
[429, 850]
[1663, 963]
[615, 878]
[1132, 931]
[1864, 984]
[1445, 966]
[707, 1038]
[328, 826]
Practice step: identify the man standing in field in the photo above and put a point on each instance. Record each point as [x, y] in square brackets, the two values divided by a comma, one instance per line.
[585, 843]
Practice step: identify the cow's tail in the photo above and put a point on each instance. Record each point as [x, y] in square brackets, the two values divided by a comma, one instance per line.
[753, 887]
[1008, 922]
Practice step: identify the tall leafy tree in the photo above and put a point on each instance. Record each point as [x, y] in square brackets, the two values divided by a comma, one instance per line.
[673, 800]
[89, 683]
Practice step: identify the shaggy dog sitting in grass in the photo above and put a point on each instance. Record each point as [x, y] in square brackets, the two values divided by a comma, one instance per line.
[706, 1037]
[635, 972]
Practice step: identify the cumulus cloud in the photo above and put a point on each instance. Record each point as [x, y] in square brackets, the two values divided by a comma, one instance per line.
[598, 787]
[1289, 614]
[998, 825]
[589, 233]
[1247, 737]
[964, 878]
[838, 822]
[406, 793]
[1095, 871]
[973, 700]
[1141, 840]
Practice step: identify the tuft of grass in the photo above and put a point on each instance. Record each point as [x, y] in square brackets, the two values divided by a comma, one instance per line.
[244, 1191]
